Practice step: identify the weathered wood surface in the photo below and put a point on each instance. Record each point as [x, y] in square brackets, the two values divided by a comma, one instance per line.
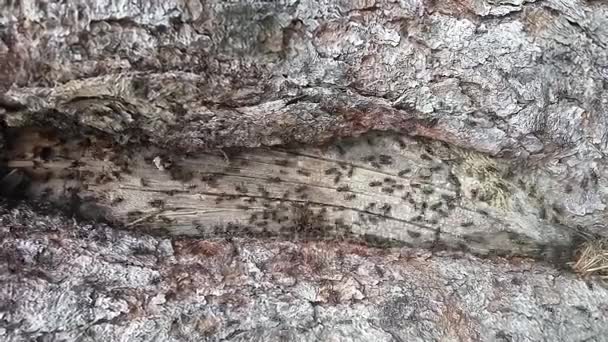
[383, 188]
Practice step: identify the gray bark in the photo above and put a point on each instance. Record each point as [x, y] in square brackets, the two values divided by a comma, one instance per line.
[63, 281]
[520, 76]
[475, 126]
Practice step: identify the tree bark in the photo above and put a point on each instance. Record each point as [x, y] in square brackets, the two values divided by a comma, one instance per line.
[74, 282]
[470, 126]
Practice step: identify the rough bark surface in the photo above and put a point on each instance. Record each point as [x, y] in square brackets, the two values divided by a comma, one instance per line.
[526, 77]
[63, 281]
[259, 121]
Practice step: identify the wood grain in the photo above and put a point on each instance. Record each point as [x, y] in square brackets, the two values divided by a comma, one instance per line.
[379, 188]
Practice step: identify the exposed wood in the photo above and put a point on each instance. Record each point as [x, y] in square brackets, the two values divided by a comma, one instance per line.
[380, 188]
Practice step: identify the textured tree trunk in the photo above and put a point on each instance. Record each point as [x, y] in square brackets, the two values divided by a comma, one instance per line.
[258, 134]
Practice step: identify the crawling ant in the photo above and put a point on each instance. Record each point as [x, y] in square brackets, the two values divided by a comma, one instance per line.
[340, 149]
[483, 212]
[117, 200]
[303, 172]
[241, 188]
[386, 208]
[102, 179]
[448, 198]
[274, 180]
[435, 206]
[428, 191]
[557, 209]
[424, 176]
[77, 163]
[210, 179]
[401, 143]
[134, 214]
[43, 152]
[165, 219]
[474, 194]
[491, 168]
[542, 213]
[385, 160]
[455, 181]
[413, 234]
[404, 172]
[171, 192]
[343, 188]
